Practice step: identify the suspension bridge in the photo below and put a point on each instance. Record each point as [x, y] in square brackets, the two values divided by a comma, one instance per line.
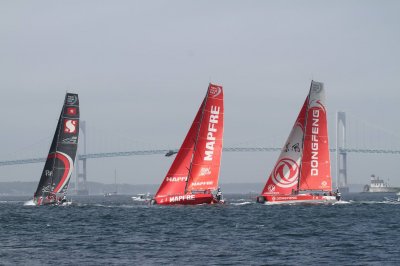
[340, 150]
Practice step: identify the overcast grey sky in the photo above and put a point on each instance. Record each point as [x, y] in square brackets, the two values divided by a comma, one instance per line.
[141, 69]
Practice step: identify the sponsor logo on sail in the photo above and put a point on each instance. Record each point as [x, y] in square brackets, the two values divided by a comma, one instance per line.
[314, 142]
[46, 188]
[176, 178]
[215, 91]
[212, 130]
[71, 111]
[205, 171]
[70, 140]
[295, 147]
[271, 188]
[316, 87]
[285, 173]
[70, 126]
[203, 183]
[48, 172]
[72, 99]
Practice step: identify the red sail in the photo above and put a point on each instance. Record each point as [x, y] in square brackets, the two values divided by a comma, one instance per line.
[175, 181]
[207, 155]
[316, 168]
[284, 177]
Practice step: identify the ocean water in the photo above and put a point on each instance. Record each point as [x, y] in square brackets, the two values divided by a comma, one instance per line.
[117, 231]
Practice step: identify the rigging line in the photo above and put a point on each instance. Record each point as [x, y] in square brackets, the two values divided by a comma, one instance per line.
[196, 140]
[57, 140]
[302, 139]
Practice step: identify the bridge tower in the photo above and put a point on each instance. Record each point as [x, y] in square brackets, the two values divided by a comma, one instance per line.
[341, 154]
[80, 177]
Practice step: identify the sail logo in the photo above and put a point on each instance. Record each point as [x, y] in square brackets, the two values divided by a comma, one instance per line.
[72, 99]
[71, 140]
[215, 91]
[48, 173]
[181, 198]
[46, 189]
[205, 171]
[204, 183]
[285, 173]
[316, 87]
[70, 126]
[314, 142]
[212, 130]
[271, 188]
[176, 179]
[71, 111]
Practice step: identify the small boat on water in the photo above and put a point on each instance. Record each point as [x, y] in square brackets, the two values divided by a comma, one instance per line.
[302, 172]
[193, 176]
[54, 181]
[142, 197]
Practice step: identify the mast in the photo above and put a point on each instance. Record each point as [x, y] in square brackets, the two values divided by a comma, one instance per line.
[59, 124]
[337, 150]
[115, 180]
[196, 139]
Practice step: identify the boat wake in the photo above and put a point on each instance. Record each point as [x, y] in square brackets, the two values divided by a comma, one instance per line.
[241, 203]
[342, 202]
[29, 203]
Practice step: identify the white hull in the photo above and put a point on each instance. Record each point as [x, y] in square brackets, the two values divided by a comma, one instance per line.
[139, 199]
[324, 200]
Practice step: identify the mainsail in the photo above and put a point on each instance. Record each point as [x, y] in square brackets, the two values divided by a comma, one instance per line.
[315, 168]
[60, 160]
[206, 161]
[197, 163]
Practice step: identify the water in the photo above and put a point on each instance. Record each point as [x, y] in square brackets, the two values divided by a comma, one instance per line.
[116, 230]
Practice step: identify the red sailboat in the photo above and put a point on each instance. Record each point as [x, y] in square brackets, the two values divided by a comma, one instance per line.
[302, 173]
[193, 176]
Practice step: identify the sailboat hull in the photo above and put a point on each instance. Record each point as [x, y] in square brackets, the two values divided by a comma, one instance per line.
[295, 199]
[51, 202]
[188, 199]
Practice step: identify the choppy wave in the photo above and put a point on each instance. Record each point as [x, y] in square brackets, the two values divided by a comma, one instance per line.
[119, 231]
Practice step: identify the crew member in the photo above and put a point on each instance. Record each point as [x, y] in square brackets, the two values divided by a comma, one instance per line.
[338, 195]
[219, 194]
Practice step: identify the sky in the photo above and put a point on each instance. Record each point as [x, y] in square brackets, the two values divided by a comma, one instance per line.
[141, 69]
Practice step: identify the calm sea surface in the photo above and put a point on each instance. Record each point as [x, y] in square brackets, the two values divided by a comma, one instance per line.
[116, 230]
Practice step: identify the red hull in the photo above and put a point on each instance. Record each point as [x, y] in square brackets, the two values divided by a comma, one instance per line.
[293, 199]
[188, 199]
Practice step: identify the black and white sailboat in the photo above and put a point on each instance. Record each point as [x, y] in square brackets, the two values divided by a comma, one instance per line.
[57, 171]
